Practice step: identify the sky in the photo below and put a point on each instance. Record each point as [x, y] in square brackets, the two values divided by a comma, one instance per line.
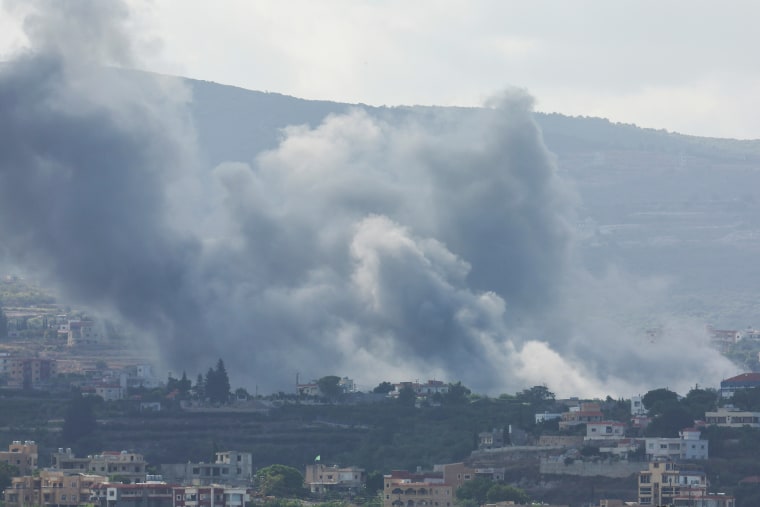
[685, 66]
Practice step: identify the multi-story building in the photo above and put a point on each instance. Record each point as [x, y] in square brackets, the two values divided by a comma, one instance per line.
[65, 460]
[428, 489]
[321, 479]
[637, 406]
[122, 464]
[230, 467]
[664, 481]
[149, 494]
[719, 500]
[728, 417]
[51, 487]
[744, 381]
[29, 373]
[22, 455]
[687, 446]
[82, 332]
[584, 413]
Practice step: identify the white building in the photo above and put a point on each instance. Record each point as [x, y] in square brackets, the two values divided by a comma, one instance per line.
[687, 446]
[637, 406]
[605, 430]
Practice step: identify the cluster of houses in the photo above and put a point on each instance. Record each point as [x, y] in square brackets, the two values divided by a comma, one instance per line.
[23, 372]
[120, 479]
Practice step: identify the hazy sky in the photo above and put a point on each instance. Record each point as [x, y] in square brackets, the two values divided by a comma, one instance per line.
[687, 66]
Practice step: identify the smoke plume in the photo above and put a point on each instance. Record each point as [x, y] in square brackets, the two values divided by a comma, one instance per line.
[382, 248]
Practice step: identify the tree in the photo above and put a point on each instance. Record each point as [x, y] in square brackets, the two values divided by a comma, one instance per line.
[383, 388]
[79, 420]
[656, 400]
[456, 395]
[200, 388]
[406, 396]
[670, 421]
[536, 395]
[7, 472]
[329, 386]
[475, 489]
[218, 384]
[506, 493]
[280, 481]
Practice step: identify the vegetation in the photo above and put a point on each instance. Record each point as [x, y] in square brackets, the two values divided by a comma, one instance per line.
[217, 384]
[280, 481]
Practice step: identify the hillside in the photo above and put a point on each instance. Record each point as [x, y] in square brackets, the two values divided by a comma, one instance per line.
[653, 203]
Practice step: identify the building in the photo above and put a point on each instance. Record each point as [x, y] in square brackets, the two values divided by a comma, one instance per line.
[493, 439]
[719, 500]
[51, 487]
[546, 416]
[406, 489]
[29, 373]
[82, 332]
[110, 392]
[605, 430]
[687, 446]
[426, 390]
[728, 417]
[664, 481]
[322, 479]
[637, 406]
[584, 413]
[121, 464]
[209, 496]
[149, 494]
[230, 467]
[65, 460]
[744, 381]
[22, 455]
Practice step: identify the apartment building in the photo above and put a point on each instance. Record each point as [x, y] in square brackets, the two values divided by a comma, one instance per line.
[51, 487]
[665, 481]
[22, 455]
[229, 467]
[584, 413]
[729, 417]
[29, 373]
[125, 465]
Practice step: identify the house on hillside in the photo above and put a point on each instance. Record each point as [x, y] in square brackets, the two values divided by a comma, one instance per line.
[744, 381]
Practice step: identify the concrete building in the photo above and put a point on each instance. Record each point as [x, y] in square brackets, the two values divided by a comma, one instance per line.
[81, 332]
[664, 481]
[22, 455]
[122, 464]
[719, 500]
[65, 460]
[605, 430]
[729, 417]
[133, 495]
[29, 373]
[209, 496]
[51, 487]
[687, 446]
[584, 413]
[322, 479]
[230, 467]
[637, 406]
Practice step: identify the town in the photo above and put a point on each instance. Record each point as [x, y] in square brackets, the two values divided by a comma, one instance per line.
[85, 427]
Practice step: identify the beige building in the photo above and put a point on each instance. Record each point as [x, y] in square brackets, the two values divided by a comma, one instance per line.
[405, 489]
[22, 455]
[51, 487]
[729, 418]
[665, 481]
[29, 373]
